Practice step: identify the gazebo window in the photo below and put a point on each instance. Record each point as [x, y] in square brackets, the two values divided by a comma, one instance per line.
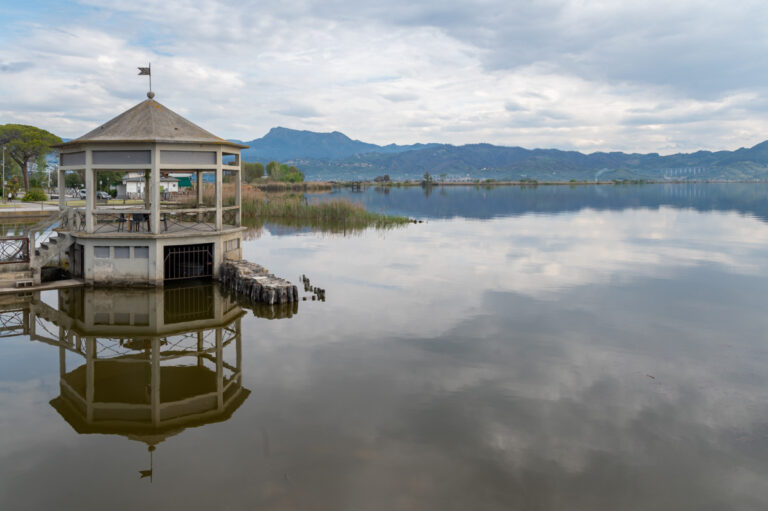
[188, 157]
[77, 158]
[121, 157]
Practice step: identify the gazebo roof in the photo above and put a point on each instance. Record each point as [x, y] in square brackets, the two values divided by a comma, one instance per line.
[149, 121]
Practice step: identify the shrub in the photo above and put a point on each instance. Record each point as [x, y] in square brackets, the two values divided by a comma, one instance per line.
[34, 195]
[290, 174]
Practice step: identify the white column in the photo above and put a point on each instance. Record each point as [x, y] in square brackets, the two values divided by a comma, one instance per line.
[200, 216]
[199, 188]
[239, 192]
[62, 189]
[154, 177]
[219, 202]
[90, 185]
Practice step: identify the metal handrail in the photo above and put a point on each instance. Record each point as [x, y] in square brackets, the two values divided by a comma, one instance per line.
[14, 249]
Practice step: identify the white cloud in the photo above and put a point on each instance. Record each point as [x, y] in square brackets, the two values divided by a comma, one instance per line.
[580, 75]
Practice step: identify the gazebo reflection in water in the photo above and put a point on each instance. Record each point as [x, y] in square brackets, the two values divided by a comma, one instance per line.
[153, 362]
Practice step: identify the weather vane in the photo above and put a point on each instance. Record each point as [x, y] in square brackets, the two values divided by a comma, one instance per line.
[148, 71]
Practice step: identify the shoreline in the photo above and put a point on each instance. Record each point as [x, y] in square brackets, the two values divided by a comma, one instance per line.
[310, 186]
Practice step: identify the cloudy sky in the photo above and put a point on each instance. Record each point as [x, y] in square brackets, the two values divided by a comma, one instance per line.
[651, 76]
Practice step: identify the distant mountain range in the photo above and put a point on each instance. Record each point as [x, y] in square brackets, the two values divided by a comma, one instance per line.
[335, 156]
[283, 144]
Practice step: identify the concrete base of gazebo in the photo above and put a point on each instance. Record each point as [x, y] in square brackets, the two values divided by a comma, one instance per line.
[145, 259]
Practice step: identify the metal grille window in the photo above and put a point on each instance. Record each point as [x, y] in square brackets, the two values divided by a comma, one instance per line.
[101, 252]
[141, 252]
[188, 261]
[122, 252]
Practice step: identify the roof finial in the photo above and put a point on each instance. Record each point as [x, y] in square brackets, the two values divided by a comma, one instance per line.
[148, 72]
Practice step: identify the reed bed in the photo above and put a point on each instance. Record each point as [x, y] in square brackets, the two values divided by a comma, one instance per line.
[280, 186]
[294, 210]
[332, 215]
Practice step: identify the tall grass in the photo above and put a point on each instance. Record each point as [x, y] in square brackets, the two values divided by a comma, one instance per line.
[331, 215]
[269, 185]
[294, 210]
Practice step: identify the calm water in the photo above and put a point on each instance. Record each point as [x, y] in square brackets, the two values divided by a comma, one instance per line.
[551, 349]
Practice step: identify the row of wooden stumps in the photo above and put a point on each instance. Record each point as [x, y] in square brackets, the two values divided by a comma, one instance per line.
[317, 292]
[256, 283]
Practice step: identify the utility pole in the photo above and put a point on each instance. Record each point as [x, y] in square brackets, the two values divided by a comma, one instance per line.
[3, 172]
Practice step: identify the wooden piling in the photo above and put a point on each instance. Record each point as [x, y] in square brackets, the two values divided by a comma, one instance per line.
[255, 282]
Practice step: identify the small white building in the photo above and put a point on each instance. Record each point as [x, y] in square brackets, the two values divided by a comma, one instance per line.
[134, 185]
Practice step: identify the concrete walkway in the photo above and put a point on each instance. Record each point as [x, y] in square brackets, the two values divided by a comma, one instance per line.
[56, 284]
[26, 209]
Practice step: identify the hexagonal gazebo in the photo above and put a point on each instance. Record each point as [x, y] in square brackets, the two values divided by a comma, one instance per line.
[157, 240]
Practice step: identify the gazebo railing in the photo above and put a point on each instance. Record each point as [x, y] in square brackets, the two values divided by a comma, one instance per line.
[138, 220]
[73, 219]
[230, 215]
[126, 220]
[201, 219]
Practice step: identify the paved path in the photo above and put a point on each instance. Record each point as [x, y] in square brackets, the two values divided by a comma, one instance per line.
[17, 209]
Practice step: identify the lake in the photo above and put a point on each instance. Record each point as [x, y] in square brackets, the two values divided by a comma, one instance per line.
[549, 348]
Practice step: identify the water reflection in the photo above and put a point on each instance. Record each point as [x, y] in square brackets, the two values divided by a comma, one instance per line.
[596, 360]
[149, 363]
[494, 201]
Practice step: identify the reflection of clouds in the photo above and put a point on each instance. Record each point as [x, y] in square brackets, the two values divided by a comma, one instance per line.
[18, 402]
[638, 383]
[622, 369]
[452, 263]
[540, 404]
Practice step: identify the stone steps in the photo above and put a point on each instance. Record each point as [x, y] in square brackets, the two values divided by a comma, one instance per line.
[51, 248]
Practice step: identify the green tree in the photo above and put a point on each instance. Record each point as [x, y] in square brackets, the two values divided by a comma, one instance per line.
[252, 171]
[73, 180]
[273, 169]
[105, 180]
[26, 144]
[12, 187]
[35, 195]
[290, 174]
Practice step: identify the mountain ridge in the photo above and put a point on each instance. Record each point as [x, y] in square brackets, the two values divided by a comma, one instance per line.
[285, 143]
[335, 156]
